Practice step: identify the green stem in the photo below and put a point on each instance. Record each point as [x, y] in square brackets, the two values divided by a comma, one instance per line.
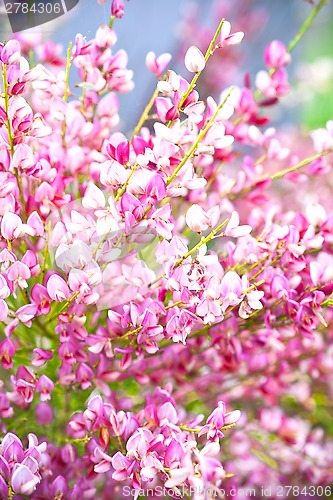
[306, 25]
[5, 88]
[64, 307]
[137, 129]
[66, 90]
[282, 173]
[122, 190]
[299, 165]
[191, 252]
[199, 138]
[209, 52]
[9, 131]
[203, 241]
[10, 491]
[145, 113]
[68, 65]
[299, 35]
[188, 429]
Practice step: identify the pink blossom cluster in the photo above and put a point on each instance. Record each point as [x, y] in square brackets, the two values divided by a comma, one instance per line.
[157, 289]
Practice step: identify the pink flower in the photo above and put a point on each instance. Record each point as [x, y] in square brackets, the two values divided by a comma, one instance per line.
[231, 288]
[226, 38]
[3, 310]
[272, 86]
[57, 288]
[218, 419]
[251, 303]
[42, 357]
[170, 84]
[12, 227]
[118, 148]
[35, 222]
[117, 8]
[44, 385]
[41, 298]
[165, 109]
[19, 273]
[276, 55]
[11, 52]
[4, 289]
[121, 465]
[198, 220]
[84, 375]
[233, 228]
[23, 480]
[44, 413]
[156, 189]
[158, 64]
[26, 313]
[194, 59]
[7, 352]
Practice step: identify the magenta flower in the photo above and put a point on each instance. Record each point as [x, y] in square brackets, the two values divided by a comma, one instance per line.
[156, 189]
[165, 109]
[44, 386]
[117, 8]
[122, 466]
[218, 419]
[118, 148]
[12, 448]
[59, 487]
[276, 55]
[84, 375]
[42, 357]
[231, 289]
[7, 352]
[41, 298]
[44, 413]
[23, 480]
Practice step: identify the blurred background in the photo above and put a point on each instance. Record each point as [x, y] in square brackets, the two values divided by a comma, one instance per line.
[173, 25]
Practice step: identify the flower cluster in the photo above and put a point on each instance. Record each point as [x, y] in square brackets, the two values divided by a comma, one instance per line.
[20, 469]
[144, 279]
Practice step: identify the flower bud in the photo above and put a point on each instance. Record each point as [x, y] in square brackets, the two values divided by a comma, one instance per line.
[194, 60]
[117, 8]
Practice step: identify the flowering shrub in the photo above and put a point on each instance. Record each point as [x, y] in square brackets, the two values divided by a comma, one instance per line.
[153, 286]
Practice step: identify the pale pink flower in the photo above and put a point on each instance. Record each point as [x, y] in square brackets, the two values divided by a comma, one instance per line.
[158, 64]
[197, 219]
[230, 39]
[57, 288]
[19, 273]
[194, 59]
[233, 228]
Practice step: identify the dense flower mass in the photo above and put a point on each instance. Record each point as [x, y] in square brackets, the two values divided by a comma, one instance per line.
[165, 297]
